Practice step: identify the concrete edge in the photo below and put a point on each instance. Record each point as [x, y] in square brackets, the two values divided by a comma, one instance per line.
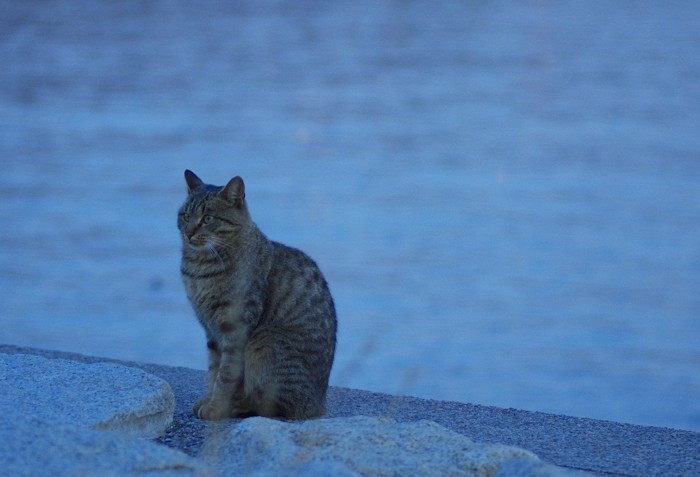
[601, 447]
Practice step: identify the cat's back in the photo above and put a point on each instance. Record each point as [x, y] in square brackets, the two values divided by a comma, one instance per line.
[298, 293]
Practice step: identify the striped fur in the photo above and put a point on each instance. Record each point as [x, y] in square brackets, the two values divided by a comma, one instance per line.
[266, 309]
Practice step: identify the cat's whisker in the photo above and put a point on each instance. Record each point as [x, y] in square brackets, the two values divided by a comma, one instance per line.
[213, 245]
[220, 242]
[216, 255]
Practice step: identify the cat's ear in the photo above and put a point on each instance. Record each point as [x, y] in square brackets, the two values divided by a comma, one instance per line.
[192, 180]
[234, 191]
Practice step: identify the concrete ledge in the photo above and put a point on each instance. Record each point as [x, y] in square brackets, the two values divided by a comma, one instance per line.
[602, 447]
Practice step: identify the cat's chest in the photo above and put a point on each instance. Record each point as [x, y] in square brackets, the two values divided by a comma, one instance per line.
[198, 288]
[202, 292]
[204, 287]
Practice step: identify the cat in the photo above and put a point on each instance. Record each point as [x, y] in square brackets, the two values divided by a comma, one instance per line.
[266, 309]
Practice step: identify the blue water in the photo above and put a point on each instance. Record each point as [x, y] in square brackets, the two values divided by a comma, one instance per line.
[504, 196]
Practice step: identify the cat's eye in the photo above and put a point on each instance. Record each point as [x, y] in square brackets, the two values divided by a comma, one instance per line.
[186, 217]
[207, 219]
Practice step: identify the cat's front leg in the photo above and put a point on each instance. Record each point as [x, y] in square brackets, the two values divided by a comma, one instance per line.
[213, 371]
[229, 378]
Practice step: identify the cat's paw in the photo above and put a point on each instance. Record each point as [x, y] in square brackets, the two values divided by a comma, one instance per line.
[210, 412]
[242, 408]
[197, 405]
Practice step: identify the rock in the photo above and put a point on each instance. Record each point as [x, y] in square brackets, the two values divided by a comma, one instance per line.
[102, 396]
[31, 447]
[55, 409]
[354, 446]
[535, 468]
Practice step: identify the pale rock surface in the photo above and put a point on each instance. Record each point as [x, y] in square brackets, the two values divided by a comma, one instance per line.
[102, 396]
[33, 447]
[360, 446]
[53, 411]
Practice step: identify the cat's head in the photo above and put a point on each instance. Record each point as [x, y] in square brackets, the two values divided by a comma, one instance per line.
[212, 215]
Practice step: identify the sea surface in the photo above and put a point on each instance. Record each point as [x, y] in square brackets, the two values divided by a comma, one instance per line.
[504, 196]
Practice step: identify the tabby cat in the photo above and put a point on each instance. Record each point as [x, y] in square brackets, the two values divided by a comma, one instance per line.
[268, 315]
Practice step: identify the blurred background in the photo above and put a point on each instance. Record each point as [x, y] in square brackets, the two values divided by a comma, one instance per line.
[504, 196]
